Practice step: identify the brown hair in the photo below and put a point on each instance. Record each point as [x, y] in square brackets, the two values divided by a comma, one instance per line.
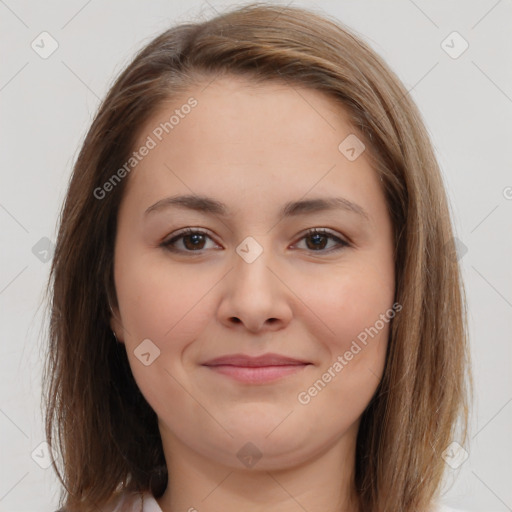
[95, 412]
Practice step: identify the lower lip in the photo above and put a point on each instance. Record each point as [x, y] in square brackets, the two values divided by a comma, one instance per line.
[259, 374]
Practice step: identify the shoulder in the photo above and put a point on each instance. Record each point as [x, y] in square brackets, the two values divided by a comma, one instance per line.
[124, 502]
[150, 504]
[130, 502]
[444, 508]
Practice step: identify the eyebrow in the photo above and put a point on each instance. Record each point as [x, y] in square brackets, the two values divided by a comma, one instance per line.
[204, 204]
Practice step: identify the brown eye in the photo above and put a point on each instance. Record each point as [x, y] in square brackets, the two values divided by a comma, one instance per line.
[189, 240]
[318, 239]
[194, 241]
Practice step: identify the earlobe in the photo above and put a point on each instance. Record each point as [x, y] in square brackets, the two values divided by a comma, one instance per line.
[116, 325]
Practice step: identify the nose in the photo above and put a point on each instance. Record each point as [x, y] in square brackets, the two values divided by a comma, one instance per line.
[255, 296]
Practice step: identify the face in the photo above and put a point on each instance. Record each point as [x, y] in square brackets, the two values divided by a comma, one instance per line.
[289, 255]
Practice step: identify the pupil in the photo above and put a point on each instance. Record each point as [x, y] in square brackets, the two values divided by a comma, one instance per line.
[196, 240]
[318, 241]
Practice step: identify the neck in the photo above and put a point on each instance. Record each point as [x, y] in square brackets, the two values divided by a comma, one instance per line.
[325, 483]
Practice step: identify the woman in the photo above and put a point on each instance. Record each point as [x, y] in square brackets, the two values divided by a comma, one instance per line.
[255, 299]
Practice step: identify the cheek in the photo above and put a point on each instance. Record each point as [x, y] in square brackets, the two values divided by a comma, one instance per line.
[349, 300]
[161, 302]
[357, 308]
[171, 308]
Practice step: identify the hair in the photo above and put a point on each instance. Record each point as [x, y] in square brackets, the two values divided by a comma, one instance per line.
[95, 413]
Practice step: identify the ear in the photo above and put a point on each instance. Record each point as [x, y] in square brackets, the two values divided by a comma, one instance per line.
[116, 324]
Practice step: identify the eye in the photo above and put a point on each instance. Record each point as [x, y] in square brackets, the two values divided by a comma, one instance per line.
[319, 239]
[191, 240]
[194, 240]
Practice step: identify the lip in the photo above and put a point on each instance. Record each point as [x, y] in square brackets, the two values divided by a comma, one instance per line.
[251, 361]
[256, 370]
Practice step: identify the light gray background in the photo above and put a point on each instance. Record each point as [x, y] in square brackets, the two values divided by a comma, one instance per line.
[48, 104]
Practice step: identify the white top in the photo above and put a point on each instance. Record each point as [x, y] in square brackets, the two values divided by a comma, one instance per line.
[131, 502]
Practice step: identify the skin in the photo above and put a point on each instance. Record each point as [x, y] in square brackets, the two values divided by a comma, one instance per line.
[254, 147]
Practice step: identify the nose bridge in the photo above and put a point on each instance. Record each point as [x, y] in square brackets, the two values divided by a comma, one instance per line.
[254, 296]
[251, 265]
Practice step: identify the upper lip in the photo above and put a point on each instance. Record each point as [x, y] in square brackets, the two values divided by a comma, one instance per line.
[263, 360]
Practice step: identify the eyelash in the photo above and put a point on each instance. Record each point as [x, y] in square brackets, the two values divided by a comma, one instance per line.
[168, 244]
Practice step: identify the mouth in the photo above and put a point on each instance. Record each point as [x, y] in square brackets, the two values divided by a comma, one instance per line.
[256, 370]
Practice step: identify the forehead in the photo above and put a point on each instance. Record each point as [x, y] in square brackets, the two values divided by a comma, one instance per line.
[235, 113]
[234, 107]
[242, 137]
